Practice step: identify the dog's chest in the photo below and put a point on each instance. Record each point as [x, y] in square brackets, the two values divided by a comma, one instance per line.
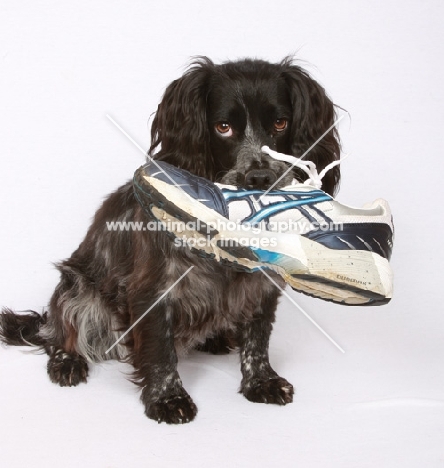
[211, 299]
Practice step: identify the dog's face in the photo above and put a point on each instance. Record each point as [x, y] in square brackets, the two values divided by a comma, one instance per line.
[245, 113]
[215, 119]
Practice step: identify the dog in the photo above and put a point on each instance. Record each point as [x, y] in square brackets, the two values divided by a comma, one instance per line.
[212, 121]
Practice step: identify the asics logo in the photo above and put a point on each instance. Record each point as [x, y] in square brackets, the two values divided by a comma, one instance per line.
[287, 200]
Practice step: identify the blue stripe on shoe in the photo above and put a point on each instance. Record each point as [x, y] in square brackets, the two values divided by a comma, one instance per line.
[303, 198]
[230, 194]
[265, 256]
[282, 206]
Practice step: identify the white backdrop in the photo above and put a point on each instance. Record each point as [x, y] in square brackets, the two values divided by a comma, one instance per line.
[64, 66]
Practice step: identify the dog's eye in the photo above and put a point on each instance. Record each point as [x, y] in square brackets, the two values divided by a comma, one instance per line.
[224, 129]
[280, 125]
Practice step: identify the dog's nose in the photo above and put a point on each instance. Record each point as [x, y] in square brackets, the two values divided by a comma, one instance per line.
[260, 179]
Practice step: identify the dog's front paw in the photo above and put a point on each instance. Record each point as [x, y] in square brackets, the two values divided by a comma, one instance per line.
[274, 390]
[175, 409]
[66, 369]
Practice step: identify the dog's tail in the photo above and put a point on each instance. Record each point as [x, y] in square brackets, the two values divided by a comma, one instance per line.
[22, 329]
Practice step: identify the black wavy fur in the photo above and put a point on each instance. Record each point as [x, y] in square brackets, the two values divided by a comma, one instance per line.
[212, 121]
[22, 329]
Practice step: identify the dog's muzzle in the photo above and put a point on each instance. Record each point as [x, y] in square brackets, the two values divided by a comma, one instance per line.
[260, 179]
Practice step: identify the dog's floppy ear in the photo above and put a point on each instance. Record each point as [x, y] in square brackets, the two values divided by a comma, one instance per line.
[313, 114]
[180, 125]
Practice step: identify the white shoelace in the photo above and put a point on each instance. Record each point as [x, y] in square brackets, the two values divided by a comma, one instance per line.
[309, 167]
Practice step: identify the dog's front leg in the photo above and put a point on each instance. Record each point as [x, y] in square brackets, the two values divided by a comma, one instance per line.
[155, 363]
[260, 383]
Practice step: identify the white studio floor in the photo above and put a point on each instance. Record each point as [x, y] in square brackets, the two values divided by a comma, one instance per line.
[64, 67]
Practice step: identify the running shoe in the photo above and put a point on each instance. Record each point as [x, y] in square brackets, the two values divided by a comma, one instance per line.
[319, 246]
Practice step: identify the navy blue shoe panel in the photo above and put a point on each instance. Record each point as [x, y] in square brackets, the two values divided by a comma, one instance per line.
[374, 237]
[196, 187]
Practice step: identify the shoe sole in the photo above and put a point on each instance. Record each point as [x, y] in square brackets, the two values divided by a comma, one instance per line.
[349, 277]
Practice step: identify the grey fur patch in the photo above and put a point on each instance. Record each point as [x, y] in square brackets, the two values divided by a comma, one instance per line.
[83, 308]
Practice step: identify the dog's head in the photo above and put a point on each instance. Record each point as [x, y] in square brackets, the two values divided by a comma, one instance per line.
[214, 120]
